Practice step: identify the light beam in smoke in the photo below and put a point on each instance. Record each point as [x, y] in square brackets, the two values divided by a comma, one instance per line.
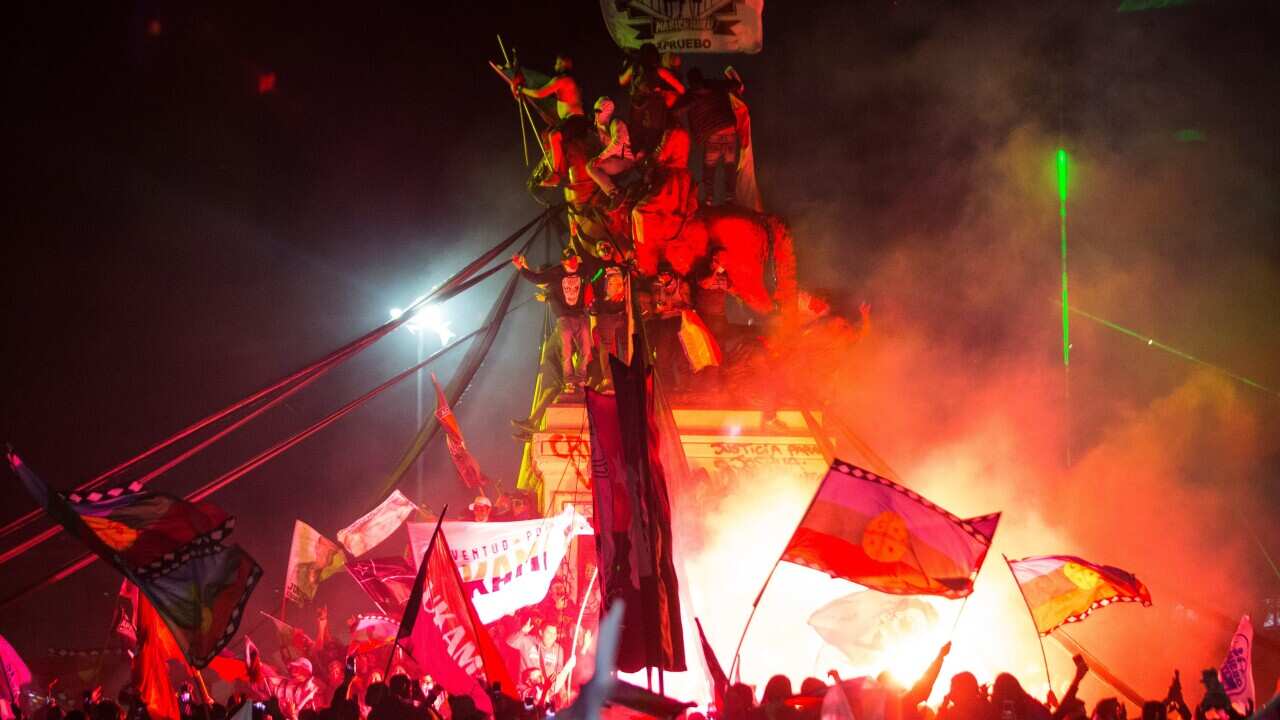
[1153, 343]
[1062, 231]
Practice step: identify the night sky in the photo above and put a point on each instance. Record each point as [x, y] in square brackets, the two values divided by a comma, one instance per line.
[175, 239]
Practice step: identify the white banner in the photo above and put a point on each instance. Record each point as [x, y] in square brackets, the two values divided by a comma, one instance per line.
[506, 565]
[1237, 669]
[686, 26]
[376, 525]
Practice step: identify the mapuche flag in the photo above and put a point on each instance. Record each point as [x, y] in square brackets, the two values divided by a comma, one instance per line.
[1061, 589]
[443, 633]
[170, 548]
[313, 558]
[463, 460]
[877, 533]
[632, 520]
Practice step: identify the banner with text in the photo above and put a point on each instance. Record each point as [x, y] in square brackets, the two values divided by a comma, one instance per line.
[506, 565]
[684, 26]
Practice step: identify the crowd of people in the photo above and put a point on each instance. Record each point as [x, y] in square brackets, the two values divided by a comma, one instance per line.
[404, 696]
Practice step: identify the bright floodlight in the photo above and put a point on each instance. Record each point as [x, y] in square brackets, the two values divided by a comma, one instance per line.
[428, 318]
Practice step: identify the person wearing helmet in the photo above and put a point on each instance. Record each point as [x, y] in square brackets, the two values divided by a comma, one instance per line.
[616, 157]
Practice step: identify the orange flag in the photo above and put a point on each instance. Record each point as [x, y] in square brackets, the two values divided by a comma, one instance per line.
[463, 460]
[156, 647]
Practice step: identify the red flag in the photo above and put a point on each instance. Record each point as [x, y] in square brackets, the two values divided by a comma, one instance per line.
[633, 519]
[877, 533]
[229, 668]
[719, 681]
[1062, 589]
[450, 643]
[463, 460]
[387, 581]
[126, 621]
[156, 647]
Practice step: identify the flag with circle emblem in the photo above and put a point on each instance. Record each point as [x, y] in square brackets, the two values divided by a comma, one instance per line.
[1061, 589]
[879, 534]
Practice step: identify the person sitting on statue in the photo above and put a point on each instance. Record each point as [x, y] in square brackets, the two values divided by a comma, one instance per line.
[712, 296]
[568, 288]
[650, 85]
[670, 200]
[714, 126]
[617, 156]
[671, 297]
[564, 88]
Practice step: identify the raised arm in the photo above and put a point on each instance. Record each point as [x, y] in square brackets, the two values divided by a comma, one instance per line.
[547, 90]
[920, 691]
[671, 79]
[539, 276]
[1082, 669]
[517, 638]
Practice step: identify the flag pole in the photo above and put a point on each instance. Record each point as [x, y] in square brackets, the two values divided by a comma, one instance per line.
[1039, 638]
[755, 604]
[734, 670]
[412, 610]
[524, 139]
[956, 623]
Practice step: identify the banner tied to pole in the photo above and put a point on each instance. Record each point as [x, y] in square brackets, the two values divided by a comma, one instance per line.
[686, 26]
[872, 531]
[506, 566]
[1061, 589]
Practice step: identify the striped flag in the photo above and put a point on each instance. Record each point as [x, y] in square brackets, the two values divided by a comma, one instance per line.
[1061, 589]
[879, 534]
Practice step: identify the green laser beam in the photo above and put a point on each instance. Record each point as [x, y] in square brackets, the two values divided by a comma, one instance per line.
[1062, 228]
[1153, 343]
